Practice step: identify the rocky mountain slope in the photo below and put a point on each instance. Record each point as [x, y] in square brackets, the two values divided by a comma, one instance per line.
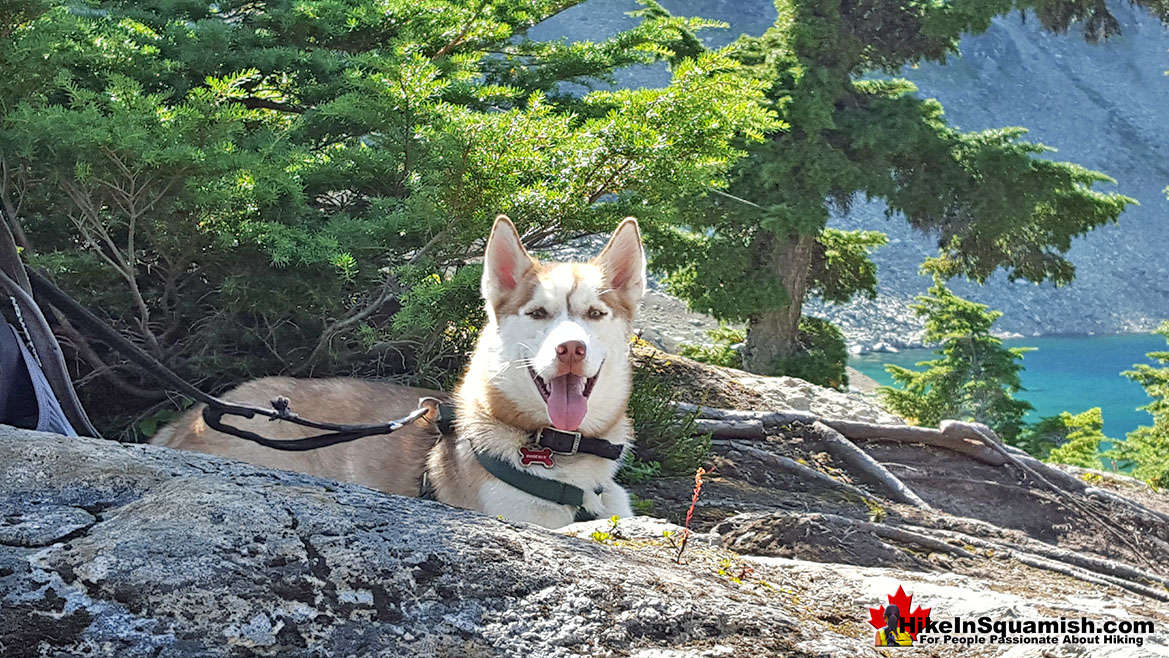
[1102, 106]
[111, 549]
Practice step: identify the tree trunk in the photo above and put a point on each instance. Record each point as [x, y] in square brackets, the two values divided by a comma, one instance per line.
[775, 333]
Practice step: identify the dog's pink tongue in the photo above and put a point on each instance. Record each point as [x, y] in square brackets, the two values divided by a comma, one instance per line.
[567, 404]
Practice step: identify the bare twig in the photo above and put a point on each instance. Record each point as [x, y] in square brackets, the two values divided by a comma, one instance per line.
[98, 365]
[973, 439]
[10, 207]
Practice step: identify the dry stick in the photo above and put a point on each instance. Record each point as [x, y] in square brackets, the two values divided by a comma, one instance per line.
[952, 434]
[794, 467]
[984, 484]
[743, 424]
[1072, 483]
[861, 461]
[1027, 545]
[1089, 563]
[897, 534]
[972, 439]
[1088, 569]
[970, 446]
[1104, 494]
[1066, 480]
[1091, 570]
[731, 429]
[1090, 577]
[1096, 571]
[87, 353]
[1035, 554]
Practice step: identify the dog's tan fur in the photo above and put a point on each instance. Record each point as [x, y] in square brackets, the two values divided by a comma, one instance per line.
[390, 463]
[495, 407]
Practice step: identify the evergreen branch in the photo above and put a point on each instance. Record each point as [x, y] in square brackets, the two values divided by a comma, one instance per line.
[445, 50]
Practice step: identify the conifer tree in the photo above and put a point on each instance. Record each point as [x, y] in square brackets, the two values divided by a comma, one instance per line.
[301, 187]
[1146, 449]
[1067, 438]
[975, 376]
[990, 201]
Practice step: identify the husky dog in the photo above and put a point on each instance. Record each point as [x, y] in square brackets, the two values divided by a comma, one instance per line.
[540, 424]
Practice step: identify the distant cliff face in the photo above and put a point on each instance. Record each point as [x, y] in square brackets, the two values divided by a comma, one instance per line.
[1103, 106]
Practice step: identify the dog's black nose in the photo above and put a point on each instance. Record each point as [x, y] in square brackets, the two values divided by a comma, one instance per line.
[570, 352]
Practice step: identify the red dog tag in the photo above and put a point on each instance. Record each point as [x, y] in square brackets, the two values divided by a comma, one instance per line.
[541, 456]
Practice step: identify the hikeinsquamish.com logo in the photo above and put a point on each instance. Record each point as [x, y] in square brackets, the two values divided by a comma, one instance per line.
[897, 626]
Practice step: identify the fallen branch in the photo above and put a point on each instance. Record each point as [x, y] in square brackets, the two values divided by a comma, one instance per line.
[795, 468]
[733, 423]
[1074, 484]
[731, 429]
[974, 440]
[1093, 577]
[1018, 544]
[1039, 471]
[902, 535]
[862, 462]
[1035, 554]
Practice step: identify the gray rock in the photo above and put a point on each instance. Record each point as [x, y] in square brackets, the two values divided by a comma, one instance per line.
[32, 525]
[117, 550]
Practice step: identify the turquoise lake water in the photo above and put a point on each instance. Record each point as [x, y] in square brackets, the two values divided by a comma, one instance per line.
[1065, 373]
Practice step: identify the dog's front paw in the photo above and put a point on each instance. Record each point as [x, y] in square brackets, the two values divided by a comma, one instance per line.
[615, 501]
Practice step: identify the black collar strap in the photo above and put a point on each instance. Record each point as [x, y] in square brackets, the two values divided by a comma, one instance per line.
[558, 441]
[553, 491]
[571, 443]
[446, 418]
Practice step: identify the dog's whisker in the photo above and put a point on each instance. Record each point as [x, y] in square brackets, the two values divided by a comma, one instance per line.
[498, 374]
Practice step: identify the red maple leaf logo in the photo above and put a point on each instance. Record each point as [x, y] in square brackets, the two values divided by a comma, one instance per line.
[911, 622]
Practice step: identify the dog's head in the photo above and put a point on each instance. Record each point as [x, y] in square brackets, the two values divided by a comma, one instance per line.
[557, 336]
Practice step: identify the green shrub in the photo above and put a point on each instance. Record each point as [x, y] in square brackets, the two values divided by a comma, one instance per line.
[663, 437]
[974, 376]
[1066, 439]
[302, 188]
[823, 356]
[723, 352]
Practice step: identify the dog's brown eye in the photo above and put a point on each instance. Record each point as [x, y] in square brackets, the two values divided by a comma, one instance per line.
[538, 313]
[596, 314]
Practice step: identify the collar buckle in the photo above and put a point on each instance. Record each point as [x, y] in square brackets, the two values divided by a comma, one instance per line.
[576, 436]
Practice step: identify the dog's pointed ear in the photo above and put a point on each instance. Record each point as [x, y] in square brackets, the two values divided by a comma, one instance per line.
[623, 261]
[505, 262]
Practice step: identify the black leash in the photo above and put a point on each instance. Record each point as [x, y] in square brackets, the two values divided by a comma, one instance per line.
[217, 408]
